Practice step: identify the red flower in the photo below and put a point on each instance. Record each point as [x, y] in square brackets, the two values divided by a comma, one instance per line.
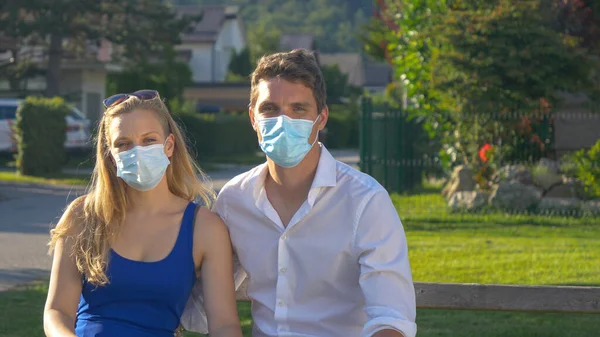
[483, 152]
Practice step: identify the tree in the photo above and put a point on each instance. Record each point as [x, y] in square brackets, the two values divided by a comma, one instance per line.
[166, 74]
[495, 61]
[141, 27]
[468, 64]
[404, 40]
[241, 63]
[580, 19]
[263, 39]
[18, 68]
[504, 56]
[338, 87]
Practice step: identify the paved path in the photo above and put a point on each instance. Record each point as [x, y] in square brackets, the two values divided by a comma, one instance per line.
[27, 213]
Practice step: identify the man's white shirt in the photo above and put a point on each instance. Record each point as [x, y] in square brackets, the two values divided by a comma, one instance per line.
[339, 268]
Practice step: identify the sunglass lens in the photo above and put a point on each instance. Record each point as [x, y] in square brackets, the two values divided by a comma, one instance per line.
[115, 99]
[146, 94]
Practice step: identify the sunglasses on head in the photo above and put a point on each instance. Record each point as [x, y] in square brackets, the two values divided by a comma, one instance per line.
[117, 99]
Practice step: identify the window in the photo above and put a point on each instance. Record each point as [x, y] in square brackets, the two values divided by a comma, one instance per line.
[8, 112]
[76, 114]
[93, 103]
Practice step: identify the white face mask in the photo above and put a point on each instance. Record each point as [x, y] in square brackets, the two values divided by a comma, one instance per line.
[142, 167]
[286, 140]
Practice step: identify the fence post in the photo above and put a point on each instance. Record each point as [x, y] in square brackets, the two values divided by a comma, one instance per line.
[398, 150]
[404, 168]
[385, 134]
[369, 135]
[365, 145]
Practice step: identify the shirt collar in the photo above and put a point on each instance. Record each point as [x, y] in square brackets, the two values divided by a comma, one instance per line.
[326, 175]
[257, 180]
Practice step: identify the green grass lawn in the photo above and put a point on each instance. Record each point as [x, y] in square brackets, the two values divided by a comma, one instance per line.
[498, 248]
[55, 179]
[446, 247]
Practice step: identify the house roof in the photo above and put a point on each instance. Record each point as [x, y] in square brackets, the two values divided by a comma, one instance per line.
[350, 64]
[7, 43]
[378, 74]
[207, 30]
[289, 42]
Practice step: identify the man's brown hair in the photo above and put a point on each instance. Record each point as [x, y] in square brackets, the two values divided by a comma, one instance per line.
[296, 66]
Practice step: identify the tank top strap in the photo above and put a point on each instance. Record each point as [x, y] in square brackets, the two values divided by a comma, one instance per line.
[185, 241]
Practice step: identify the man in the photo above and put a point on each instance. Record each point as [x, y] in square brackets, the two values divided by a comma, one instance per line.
[322, 244]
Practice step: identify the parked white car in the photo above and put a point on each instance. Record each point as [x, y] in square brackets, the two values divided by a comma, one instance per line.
[78, 127]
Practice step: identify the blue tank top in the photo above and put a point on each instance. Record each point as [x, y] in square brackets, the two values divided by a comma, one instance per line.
[142, 298]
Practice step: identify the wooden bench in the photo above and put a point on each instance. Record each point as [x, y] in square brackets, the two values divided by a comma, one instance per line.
[500, 297]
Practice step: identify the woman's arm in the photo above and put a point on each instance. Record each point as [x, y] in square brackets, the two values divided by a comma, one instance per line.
[216, 274]
[63, 293]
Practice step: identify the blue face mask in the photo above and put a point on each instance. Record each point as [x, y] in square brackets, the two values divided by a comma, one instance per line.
[142, 167]
[285, 140]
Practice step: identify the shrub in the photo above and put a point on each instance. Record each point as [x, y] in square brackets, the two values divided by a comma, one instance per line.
[219, 134]
[585, 165]
[41, 131]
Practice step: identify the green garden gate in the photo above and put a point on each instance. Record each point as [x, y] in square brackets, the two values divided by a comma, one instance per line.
[387, 147]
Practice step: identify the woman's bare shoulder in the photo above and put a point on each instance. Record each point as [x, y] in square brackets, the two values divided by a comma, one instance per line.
[209, 228]
[74, 214]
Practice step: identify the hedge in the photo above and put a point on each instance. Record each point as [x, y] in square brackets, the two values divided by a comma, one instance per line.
[342, 128]
[41, 133]
[219, 135]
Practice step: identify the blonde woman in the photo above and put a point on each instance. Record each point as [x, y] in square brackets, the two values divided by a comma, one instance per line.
[127, 254]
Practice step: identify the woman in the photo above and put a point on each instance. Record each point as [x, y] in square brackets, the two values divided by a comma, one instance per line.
[127, 254]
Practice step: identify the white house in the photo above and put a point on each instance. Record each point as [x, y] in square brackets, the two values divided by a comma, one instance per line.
[210, 44]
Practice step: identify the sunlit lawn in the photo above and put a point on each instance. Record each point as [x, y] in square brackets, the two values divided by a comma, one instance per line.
[55, 179]
[498, 248]
[444, 247]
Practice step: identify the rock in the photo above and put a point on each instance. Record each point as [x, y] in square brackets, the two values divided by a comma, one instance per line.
[568, 188]
[591, 208]
[546, 176]
[549, 165]
[559, 206]
[467, 201]
[514, 196]
[460, 181]
[513, 172]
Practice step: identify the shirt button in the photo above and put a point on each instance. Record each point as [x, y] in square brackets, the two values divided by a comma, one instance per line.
[282, 270]
[280, 303]
[284, 237]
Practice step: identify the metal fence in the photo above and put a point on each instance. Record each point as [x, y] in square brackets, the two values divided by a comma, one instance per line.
[395, 150]
[386, 152]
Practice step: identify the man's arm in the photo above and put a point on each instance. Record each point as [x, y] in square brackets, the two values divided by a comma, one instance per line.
[388, 333]
[385, 275]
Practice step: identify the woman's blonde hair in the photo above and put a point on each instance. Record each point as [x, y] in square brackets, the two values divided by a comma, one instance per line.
[92, 221]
